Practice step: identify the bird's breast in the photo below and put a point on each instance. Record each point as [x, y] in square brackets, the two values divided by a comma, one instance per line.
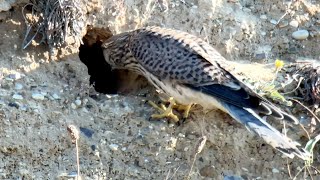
[183, 94]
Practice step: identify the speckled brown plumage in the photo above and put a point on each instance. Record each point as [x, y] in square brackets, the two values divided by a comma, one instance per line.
[190, 70]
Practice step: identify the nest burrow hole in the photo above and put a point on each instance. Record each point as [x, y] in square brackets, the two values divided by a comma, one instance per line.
[103, 78]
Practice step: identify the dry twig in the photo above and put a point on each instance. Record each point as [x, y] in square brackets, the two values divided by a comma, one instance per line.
[54, 21]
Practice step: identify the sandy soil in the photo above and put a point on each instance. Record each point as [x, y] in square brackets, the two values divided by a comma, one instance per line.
[39, 98]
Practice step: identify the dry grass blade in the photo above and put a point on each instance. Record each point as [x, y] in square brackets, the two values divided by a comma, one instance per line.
[75, 135]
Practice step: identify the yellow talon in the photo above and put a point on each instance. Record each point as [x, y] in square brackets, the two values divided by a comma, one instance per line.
[167, 111]
[185, 108]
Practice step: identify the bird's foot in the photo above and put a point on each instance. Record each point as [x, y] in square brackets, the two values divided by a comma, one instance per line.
[167, 112]
[184, 108]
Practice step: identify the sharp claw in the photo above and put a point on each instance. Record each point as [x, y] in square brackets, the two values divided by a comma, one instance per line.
[179, 123]
[184, 120]
[167, 111]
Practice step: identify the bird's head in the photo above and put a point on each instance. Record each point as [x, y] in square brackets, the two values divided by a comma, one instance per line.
[115, 50]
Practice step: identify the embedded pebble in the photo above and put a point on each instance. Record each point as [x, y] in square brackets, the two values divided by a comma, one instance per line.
[38, 96]
[208, 171]
[15, 76]
[72, 174]
[274, 170]
[272, 21]
[44, 93]
[23, 108]
[228, 177]
[114, 147]
[56, 96]
[245, 169]
[78, 102]
[73, 106]
[283, 24]
[14, 104]
[263, 33]
[246, 10]
[18, 86]
[300, 34]
[87, 132]
[294, 23]
[17, 97]
[260, 56]
[264, 17]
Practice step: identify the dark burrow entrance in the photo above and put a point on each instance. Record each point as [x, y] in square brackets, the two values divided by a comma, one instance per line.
[102, 77]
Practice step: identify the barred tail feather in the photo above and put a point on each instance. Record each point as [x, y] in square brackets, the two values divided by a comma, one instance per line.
[269, 134]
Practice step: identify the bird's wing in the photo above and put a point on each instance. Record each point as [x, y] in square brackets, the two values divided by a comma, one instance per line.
[194, 63]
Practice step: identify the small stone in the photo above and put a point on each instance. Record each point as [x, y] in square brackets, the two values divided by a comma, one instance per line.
[56, 96]
[245, 169]
[283, 24]
[172, 143]
[263, 33]
[300, 34]
[18, 86]
[23, 108]
[207, 171]
[264, 17]
[87, 132]
[246, 10]
[232, 177]
[15, 76]
[294, 23]
[114, 147]
[72, 174]
[73, 106]
[274, 170]
[260, 56]
[78, 102]
[44, 93]
[108, 96]
[5, 86]
[17, 97]
[14, 104]
[37, 96]
[272, 21]
[93, 147]
[5, 6]
[239, 36]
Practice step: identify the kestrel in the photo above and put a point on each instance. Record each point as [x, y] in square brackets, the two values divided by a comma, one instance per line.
[191, 71]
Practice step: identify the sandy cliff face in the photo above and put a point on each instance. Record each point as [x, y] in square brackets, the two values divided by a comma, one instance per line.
[39, 97]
